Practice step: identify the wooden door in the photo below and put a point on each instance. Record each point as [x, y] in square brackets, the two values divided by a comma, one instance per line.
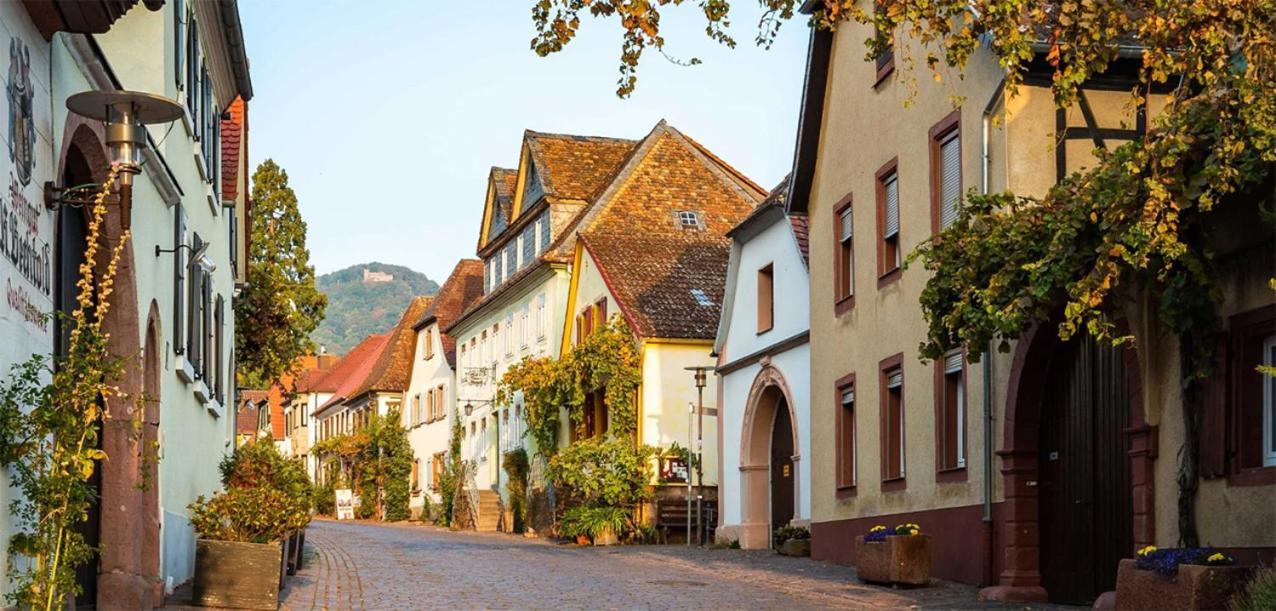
[781, 466]
[1084, 484]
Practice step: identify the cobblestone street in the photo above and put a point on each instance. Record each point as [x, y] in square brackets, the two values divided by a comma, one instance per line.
[377, 566]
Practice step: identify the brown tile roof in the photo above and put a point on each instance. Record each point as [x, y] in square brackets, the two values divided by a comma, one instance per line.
[668, 280]
[802, 233]
[462, 287]
[350, 371]
[234, 131]
[393, 369]
[247, 412]
[777, 200]
[575, 167]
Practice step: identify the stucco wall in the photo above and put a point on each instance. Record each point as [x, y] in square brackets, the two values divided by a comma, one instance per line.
[667, 391]
[25, 226]
[428, 438]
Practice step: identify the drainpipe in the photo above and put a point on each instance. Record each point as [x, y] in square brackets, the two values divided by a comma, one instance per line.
[989, 547]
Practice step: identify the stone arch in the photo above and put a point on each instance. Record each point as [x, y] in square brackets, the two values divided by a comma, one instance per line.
[768, 389]
[152, 365]
[120, 582]
[1019, 530]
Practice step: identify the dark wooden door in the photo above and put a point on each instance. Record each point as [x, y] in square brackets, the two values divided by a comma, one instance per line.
[781, 466]
[1084, 484]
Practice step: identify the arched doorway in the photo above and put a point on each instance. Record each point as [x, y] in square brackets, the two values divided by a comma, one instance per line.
[769, 455]
[71, 240]
[1077, 462]
[151, 365]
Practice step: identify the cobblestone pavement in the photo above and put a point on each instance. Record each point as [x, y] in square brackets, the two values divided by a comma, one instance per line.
[358, 565]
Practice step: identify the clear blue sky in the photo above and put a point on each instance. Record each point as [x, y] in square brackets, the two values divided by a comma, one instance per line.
[388, 114]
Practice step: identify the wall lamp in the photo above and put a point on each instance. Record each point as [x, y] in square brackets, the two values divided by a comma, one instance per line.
[124, 113]
[199, 254]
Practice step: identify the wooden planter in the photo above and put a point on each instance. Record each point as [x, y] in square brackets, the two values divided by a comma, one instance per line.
[238, 575]
[900, 559]
[1193, 587]
[606, 537]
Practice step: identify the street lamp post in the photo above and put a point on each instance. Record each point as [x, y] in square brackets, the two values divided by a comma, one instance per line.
[701, 379]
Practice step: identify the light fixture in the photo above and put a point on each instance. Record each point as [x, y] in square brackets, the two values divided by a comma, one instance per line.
[124, 113]
[469, 408]
[199, 255]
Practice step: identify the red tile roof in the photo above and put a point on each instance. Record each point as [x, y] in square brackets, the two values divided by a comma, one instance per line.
[462, 287]
[234, 133]
[575, 167]
[393, 369]
[669, 280]
[351, 370]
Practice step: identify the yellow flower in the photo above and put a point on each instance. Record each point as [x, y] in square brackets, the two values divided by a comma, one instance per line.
[1147, 550]
[1217, 557]
[877, 528]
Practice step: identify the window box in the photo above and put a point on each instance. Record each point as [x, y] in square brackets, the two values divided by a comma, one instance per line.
[900, 559]
[201, 391]
[185, 370]
[1192, 587]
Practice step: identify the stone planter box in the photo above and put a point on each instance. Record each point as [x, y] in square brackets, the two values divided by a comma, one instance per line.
[1193, 587]
[795, 547]
[606, 537]
[900, 559]
[238, 575]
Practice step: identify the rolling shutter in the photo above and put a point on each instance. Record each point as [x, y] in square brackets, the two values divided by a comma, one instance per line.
[895, 379]
[952, 362]
[891, 187]
[950, 179]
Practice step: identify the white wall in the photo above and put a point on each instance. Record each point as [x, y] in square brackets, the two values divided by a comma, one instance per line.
[28, 289]
[773, 245]
[428, 438]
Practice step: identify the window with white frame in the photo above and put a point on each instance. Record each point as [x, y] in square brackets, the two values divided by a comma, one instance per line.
[542, 323]
[509, 334]
[524, 319]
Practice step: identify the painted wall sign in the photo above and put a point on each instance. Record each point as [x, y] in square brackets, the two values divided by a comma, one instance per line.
[21, 121]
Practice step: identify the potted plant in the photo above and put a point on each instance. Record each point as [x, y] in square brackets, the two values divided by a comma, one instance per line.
[898, 556]
[595, 525]
[792, 541]
[1179, 578]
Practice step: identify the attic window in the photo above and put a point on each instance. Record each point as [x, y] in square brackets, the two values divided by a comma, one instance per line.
[689, 219]
[702, 298]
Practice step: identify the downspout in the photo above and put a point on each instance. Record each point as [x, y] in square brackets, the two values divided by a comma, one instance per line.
[989, 547]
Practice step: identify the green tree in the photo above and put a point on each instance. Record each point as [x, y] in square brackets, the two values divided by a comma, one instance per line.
[279, 307]
[1137, 224]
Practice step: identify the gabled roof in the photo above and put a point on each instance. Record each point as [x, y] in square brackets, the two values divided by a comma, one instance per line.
[668, 280]
[575, 167]
[393, 369]
[462, 287]
[351, 370]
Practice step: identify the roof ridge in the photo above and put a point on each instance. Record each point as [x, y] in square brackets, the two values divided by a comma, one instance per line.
[578, 137]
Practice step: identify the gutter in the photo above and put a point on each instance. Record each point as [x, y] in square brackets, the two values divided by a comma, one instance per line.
[989, 547]
[234, 32]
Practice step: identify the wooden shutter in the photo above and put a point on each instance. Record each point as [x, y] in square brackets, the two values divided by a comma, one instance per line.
[846, 431]
[766, 296]
[950, 179]
[891, 187]
[218, 326]
[602, 312]
[179, 44]
[206, 310]
[179, 278]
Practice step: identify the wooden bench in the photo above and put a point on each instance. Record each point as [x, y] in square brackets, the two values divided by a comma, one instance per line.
[671, 517]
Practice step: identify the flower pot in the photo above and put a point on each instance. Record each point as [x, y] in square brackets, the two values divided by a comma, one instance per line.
[795, 547]
[900, 559]
[1193, 587]
[582, 540]
[606, 537]
[237, 575]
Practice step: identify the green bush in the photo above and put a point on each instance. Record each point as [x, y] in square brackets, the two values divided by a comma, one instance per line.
[594, 521]
[252, 515]
[260, 464]
[517, 467]
[1259, 595]
[324, 498]
[598, 473]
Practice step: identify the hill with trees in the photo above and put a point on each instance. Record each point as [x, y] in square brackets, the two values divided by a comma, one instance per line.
[365, 299]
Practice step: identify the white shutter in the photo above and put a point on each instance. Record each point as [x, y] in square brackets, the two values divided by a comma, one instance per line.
[952, 361]
[950, 179]
[847, 225]
[895, 379]
[892, 205]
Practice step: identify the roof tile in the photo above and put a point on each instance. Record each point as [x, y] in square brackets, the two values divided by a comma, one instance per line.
[463, 287]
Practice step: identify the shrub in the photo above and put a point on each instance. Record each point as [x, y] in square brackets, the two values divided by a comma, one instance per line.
[784, 533]
[594, 521]
[260, 464]
[517, 467]
[1259, 595]
[252, 515]
[597, 473]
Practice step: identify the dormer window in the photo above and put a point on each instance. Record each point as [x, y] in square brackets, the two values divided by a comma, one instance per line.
[689, 219]
[702, 298]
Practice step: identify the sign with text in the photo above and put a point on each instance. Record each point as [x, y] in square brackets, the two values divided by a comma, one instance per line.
[345, 504]
[673, 470]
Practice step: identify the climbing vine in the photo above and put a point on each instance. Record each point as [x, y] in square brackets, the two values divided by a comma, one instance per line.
[377, 461]
[607, 359]
[51, 411]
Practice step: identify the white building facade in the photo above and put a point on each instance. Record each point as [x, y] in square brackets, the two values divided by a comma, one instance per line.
[763, 378]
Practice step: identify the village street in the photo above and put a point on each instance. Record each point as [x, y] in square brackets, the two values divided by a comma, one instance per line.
[364, 565]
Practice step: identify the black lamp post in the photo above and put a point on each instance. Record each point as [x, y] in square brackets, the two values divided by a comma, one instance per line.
[701, 380]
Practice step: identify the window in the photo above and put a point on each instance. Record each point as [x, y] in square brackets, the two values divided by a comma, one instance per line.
[844, 265]
[219, 347]
[885, 61]
[950, 397]
[702, 298]
[436, 470]
[193, 94]
[845, 446]
[524, 321]
[888, 248]
[1238, 430]
[429, 405]
[689, 219]
[180, 271]
[945, 171]
[766, 298]
[599, 310]
[892, 415]
[541, 321]
[438, 402]
[509, 334]
[416, 475]
[179, 42]
[428, 346]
